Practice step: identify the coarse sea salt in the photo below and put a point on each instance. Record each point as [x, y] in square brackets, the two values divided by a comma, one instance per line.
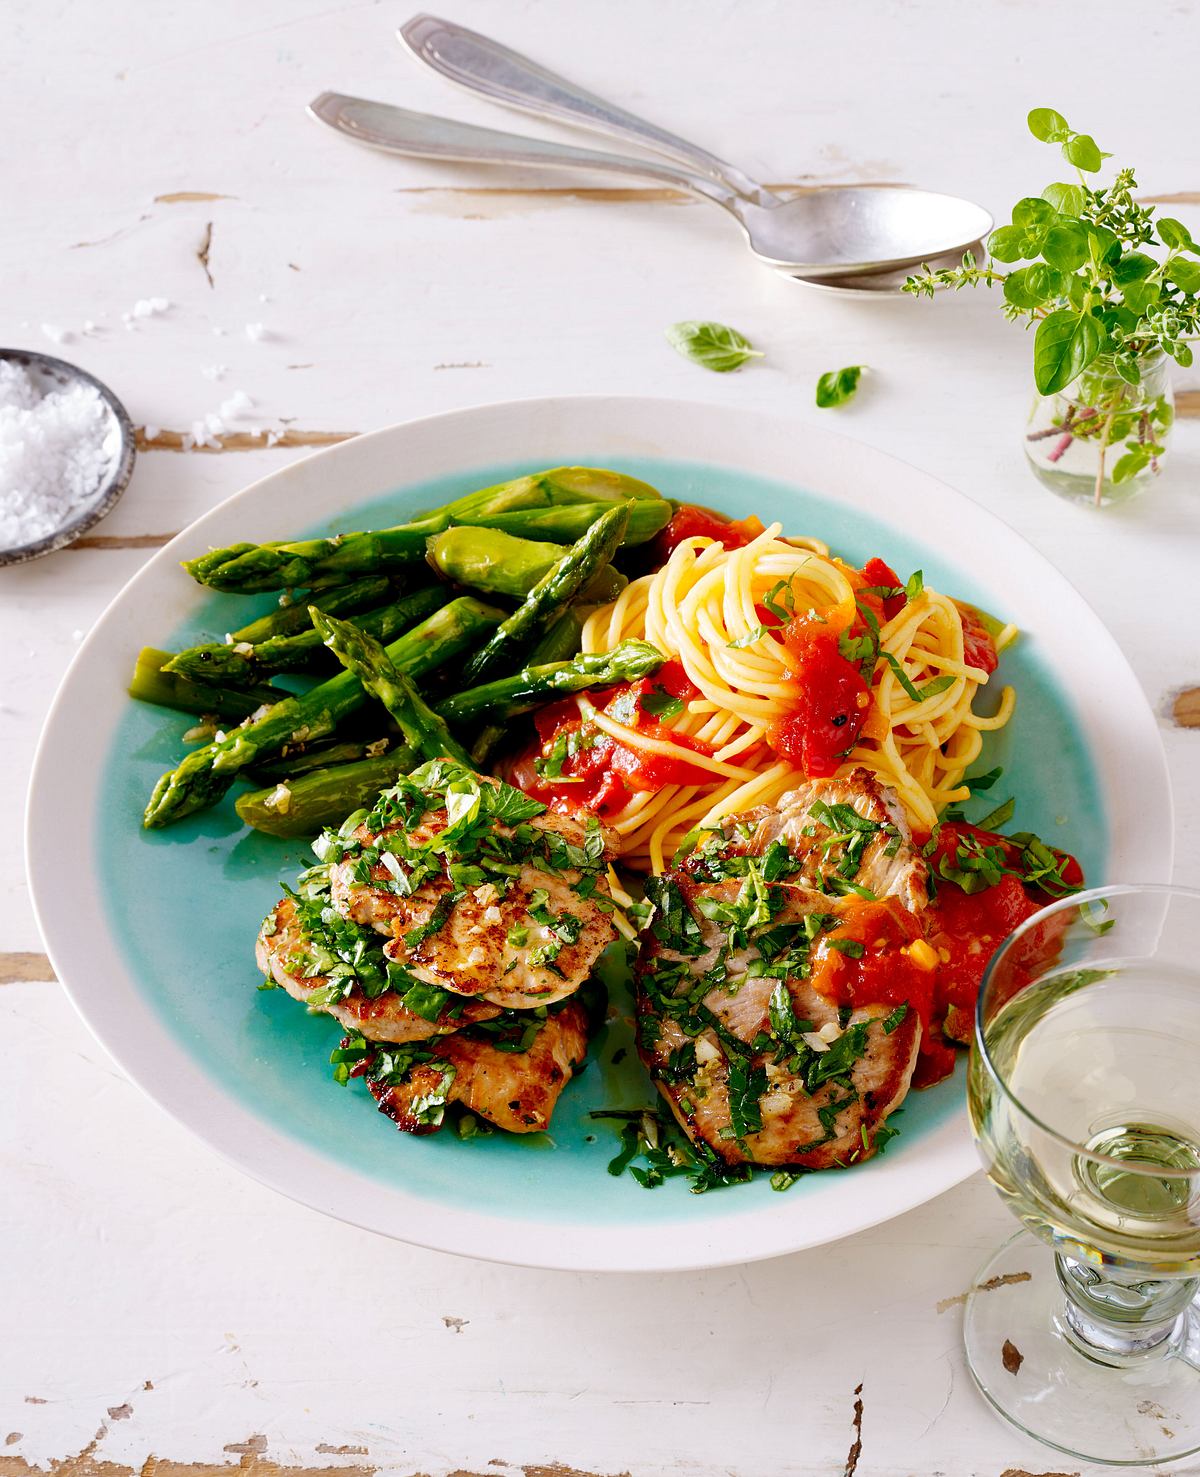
[59, 444]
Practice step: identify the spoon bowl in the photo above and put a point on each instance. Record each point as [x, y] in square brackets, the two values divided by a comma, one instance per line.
[859, 230]
[119, 438]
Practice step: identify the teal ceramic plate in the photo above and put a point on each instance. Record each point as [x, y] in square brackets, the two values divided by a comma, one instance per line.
[153, 933]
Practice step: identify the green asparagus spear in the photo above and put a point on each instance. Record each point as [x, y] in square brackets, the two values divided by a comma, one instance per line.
[320, 756]
[286, 620]
[505, 698]
[245, 663]
[561, 640]
[361, 654]
[205, 775]
[274, 566]
[152, 685]
[324, 797]
[563, 525]
[560, 486]
[550, 596]
[499, 564]
[560, 643]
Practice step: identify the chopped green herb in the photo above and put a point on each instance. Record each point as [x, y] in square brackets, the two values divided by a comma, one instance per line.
[998, 817]
[660, 703]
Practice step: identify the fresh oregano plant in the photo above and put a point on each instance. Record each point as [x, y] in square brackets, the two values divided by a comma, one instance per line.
[1094, 292]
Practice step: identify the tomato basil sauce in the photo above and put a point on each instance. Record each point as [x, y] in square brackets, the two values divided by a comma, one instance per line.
[573, 764]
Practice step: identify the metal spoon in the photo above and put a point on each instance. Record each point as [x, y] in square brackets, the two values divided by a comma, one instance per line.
[837, 231]
[55, 374]
[829, 233]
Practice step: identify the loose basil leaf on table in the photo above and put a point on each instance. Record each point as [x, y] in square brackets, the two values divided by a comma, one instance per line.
[715, 346]
[837, 386]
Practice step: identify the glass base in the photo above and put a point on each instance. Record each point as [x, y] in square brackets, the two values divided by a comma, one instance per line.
[1133, 1411]
[1074, 488]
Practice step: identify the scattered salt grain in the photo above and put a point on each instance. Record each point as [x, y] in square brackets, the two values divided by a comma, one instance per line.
[215, 371]
[57, 335]
[58, 447]
[151, 433]
[256, 332]
[76, 634]
[237, 404]
[150, 307]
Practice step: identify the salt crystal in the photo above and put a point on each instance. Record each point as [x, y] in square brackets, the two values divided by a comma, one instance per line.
[150, 307]
[88, 327]
[256, 332]
[57, 335]
[215, 371]
[59, 445]
[151, 433]
[237, 404]
[76, 634]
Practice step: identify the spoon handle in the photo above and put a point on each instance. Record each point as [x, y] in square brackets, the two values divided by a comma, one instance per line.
[483, 66]
[426, 136]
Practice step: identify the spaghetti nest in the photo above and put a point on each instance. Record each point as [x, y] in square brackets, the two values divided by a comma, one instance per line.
[704, 608]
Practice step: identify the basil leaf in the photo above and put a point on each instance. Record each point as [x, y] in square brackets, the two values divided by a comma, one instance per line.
[660, 704]
[1065, 245]
[1081, 151]
[837, 386]
[998, 817]
[1064, 345]
[1066, 199]
[715, 346]
[1185, 275]
[1033, 211]
[1174, 234]
[1048, 126]
[1029, 287]
[1011, 244]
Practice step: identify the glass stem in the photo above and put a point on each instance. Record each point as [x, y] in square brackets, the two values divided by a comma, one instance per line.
[1113, 1318]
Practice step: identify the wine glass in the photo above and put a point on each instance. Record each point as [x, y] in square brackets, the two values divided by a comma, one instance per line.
[1084, 1092]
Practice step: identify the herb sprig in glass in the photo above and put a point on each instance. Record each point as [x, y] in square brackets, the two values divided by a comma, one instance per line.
[1109, 287]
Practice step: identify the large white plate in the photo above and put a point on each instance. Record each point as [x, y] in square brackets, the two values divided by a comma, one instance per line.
[152, 935]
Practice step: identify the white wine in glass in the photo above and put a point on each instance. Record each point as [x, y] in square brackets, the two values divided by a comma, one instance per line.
[1084, 1092]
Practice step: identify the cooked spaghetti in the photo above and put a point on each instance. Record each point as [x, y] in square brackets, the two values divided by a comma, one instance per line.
[740, 622]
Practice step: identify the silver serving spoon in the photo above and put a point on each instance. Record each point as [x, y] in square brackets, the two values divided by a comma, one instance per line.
[828, 234]
[836, 231]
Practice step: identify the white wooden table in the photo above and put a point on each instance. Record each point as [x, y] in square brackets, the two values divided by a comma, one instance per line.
[162, 1314]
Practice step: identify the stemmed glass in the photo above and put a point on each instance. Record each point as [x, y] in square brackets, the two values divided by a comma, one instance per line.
[1084, 1092]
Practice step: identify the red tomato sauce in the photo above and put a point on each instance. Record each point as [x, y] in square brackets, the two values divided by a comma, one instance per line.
[886, 973]
[964, 929]
[879, 575]
[690, 521]
[979, 650]
[831, 707]
[882, 974]
[602, 773]
[967, 928]
[834, 699]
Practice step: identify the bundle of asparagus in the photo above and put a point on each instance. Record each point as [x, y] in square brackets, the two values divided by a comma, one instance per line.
[372, 601]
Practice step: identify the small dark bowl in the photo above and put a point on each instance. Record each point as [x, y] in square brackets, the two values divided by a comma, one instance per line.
[107, 494]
